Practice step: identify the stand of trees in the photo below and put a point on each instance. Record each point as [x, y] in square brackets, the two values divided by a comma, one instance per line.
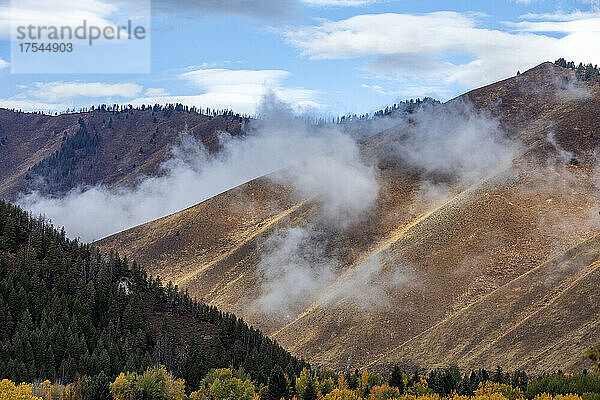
[70, 314]
[66, 311]
[157, 383]
[583, 72]
[60, 168]
[395, 110]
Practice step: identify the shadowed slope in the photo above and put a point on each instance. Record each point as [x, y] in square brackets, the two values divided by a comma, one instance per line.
[117, 147]
[26, 139]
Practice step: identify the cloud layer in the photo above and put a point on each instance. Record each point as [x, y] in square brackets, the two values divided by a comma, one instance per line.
[448, 46]
[452, 146]
[455, 142]
[60, 91]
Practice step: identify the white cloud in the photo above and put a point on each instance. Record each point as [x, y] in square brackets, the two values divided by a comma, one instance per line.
[338, 3]
[32, 105]
[240, 90]
[559, 16]
[239, 81]
[3, 64]
[420, 46]
[58, 91]
[404, 88]
[561, 23]
[365, 35]
[155, 92]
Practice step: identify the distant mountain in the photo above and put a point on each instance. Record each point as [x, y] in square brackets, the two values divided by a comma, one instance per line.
[109, 146]
[498, 268]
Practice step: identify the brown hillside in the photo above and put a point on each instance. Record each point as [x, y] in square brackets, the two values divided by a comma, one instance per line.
[28, 139]
[494, 278]
[130, 144]
[553, 306]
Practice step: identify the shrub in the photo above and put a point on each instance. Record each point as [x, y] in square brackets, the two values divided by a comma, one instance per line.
[384, 392]
[489, 388]
[344, 394]
[225, 383]
[155, 384]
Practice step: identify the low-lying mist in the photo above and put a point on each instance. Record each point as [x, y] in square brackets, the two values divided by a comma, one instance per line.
[455, 142]
[191, 175]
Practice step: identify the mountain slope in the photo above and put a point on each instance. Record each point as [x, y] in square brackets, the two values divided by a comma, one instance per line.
[54, 154]
[553, 306]
[25, 140]
[453, 251]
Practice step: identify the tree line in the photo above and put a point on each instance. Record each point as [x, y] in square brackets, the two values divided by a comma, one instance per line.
[157, 383]
[583, 72]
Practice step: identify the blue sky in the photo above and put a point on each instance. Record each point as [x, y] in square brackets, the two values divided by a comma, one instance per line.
[328, 57]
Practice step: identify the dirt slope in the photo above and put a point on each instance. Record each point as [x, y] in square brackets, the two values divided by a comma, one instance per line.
[481, 285]
[553, 306]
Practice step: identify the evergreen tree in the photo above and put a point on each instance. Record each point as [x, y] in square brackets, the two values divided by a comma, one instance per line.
[353, 380]
[278, 386]
[98, 388]
[498, 376]
[310, 393]
[11, 235]
[397, 379]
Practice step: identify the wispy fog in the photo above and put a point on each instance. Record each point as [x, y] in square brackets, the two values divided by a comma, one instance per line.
[454, 141]
[192, 175]
[320, 163]
[451, 146]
